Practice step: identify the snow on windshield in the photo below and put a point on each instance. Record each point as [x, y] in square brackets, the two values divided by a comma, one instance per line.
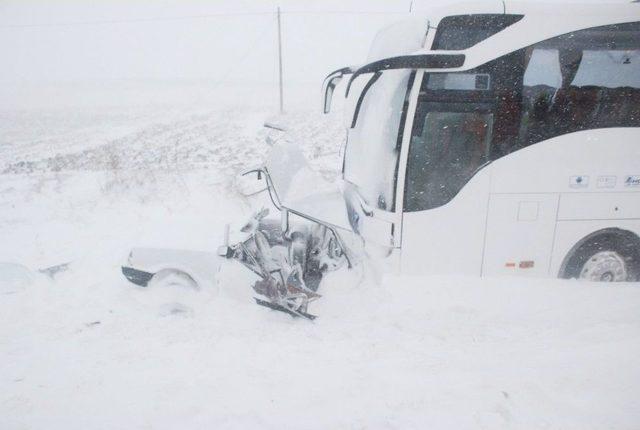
[372, 149]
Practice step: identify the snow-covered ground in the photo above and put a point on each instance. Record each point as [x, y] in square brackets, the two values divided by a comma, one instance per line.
[88, 350]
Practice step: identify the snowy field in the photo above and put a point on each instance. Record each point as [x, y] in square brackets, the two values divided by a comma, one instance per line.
[83, 184]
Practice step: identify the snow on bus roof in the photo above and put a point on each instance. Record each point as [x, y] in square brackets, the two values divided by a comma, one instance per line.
[401, 38]
[408, 36]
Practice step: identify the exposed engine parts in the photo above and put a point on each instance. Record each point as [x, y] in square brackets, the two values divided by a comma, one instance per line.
[290, 264]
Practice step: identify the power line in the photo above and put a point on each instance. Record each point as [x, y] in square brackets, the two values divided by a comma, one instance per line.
[342, 12]
[245, 54]
[193, 17]
[134, 20]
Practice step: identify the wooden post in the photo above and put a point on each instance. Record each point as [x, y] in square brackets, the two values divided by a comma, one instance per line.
[280, 60]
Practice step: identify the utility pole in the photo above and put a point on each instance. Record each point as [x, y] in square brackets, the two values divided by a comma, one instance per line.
[280, 60]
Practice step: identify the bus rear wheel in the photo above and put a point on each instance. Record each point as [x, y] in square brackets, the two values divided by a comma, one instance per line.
[608, 257]
[605, 266]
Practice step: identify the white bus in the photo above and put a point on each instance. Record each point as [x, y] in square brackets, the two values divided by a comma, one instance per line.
[500, 141]
[481, 141]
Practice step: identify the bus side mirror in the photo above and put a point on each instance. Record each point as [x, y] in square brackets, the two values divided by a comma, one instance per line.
[329, 85]
[328, 93]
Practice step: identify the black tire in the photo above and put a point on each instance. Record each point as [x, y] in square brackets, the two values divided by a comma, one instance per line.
[623, 244]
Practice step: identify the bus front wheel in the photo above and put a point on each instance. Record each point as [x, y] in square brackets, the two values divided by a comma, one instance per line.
[609, 256]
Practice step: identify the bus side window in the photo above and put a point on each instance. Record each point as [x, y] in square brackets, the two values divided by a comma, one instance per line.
[582, 80]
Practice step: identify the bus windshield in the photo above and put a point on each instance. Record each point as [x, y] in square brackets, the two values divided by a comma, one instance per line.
[371, 156]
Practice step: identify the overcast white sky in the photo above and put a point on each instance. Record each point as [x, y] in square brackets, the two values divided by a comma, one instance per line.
[214, 47]
[53, 41]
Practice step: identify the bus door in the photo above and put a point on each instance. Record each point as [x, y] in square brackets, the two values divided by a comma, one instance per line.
[446, 188]
[520, 229]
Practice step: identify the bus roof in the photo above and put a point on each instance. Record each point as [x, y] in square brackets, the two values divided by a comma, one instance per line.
[545, 21]
[540, 21]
